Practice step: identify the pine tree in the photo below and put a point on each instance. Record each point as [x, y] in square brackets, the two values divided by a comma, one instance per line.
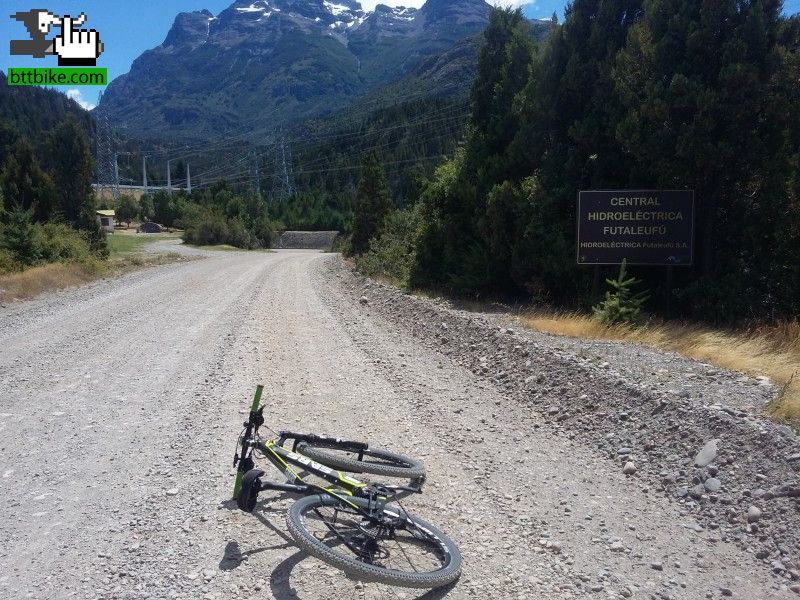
[704, 111]
[622, 304]
[26, 184]
[373, 204]
[72, 166]
[21, 237]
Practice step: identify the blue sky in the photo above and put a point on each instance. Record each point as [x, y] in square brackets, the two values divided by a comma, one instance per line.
[129, 28]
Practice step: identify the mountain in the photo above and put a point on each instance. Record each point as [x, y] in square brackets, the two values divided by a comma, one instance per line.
[31, 112]
[265, 64]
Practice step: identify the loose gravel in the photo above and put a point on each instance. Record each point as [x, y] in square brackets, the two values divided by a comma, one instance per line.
[122, 400]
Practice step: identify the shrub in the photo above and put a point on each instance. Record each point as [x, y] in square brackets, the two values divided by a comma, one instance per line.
[21, 237]
[391, 254]
[208, 230]
[622, 305]
[7, 262]
[239, 236]
[61, 243]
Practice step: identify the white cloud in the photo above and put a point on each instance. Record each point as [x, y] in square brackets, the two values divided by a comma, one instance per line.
[75, 94]
[370, 4]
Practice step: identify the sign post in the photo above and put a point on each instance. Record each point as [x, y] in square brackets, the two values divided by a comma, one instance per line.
[641, 227]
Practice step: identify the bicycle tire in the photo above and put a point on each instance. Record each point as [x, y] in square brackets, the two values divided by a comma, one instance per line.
[248, 496]
[385, 463]
[337, 554]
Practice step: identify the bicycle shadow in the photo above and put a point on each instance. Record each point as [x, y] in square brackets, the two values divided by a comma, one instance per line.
[233, 556]
[281, 587]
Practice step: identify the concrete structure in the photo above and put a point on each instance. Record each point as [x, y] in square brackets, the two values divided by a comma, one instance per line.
[312, 240]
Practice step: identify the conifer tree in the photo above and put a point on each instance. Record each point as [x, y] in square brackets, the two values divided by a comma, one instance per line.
[373, 204]
[72, 167]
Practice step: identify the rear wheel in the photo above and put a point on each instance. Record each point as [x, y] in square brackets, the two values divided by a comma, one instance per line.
[373, 461]
[391, 546]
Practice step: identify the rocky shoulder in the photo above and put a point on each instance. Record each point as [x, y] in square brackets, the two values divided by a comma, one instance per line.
[703, 446]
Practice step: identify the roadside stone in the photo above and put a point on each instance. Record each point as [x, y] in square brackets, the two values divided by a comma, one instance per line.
[363, 300]
[657, 565]
[753, 514]
[707, 454]
[697, 491]
[629, 468]
[712, 485]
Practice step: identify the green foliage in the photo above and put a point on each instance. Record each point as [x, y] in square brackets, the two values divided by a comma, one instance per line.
[314, 211]
[210, 229]
[127, 209]
[391, 254]
[622, 304]
[20, 237]
[662, 94]
[147, 209]
[26, 243]
[25, 183]
[70, 162]
[46, 171]
[169, 209]
[221, 216]
[373, 204]
[62, 243]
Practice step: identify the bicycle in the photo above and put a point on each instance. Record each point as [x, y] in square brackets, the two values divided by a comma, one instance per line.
[348, 524]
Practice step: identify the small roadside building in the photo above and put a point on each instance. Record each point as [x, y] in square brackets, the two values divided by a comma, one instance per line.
[106, 220]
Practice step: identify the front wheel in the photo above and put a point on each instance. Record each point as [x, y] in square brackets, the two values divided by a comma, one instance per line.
[373, 461]
[391, 546]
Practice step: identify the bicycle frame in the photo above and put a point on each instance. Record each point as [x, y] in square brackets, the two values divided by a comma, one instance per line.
[284, 460]
[296, 467]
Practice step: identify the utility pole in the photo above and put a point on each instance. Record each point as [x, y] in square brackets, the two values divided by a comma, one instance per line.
[188, 179]
[144, 172]
[169, 178]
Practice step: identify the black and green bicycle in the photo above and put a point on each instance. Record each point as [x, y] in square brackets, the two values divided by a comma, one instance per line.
[357, 527]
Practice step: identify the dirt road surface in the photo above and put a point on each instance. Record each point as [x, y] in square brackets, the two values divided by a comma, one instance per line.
[120, 406]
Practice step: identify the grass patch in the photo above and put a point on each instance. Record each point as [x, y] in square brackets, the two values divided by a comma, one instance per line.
[126, 244]
[771, 351]
[48, 278]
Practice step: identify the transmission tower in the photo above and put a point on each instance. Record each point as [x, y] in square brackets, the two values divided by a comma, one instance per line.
[105, 162]
[255, 181]
[283, 178]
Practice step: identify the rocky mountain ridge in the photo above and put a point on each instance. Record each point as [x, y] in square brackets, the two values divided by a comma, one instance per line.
[278, 62]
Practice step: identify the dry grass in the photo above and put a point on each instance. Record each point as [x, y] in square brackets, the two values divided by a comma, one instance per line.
[58, 276]
[47, 278]
[772, 351]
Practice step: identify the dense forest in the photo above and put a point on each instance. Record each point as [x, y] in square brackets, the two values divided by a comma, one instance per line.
[662, 94]
[47, 210]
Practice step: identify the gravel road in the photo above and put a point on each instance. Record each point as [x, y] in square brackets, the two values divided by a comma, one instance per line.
[121, 401]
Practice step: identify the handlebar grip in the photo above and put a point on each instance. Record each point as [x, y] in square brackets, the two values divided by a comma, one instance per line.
[257, 398]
